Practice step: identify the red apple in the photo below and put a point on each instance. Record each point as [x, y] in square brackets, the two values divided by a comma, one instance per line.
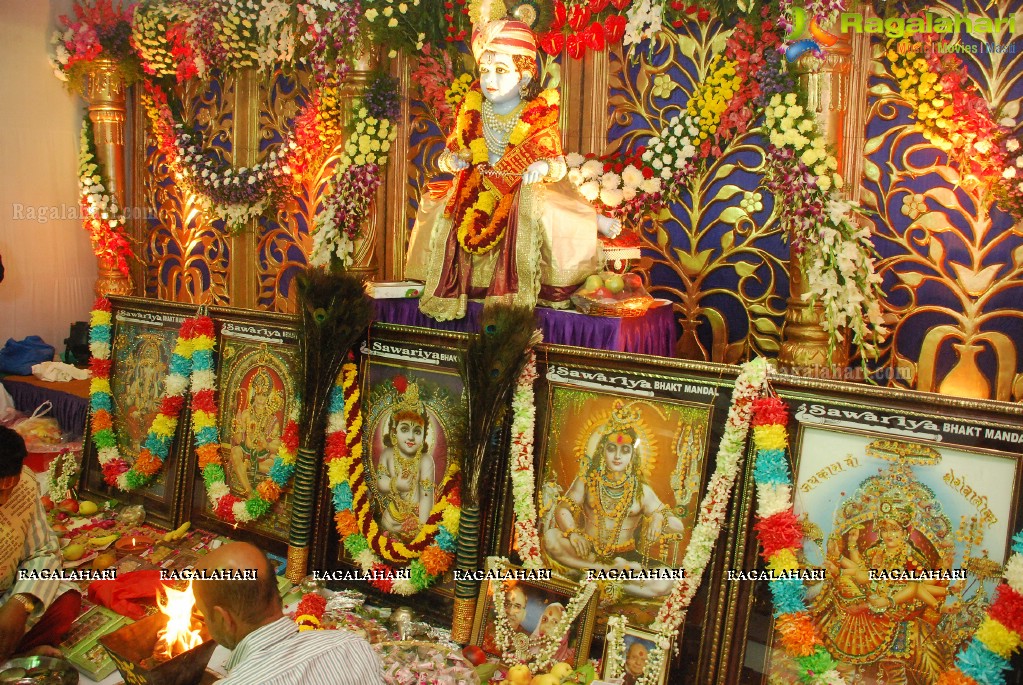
[475, 655]
[47, 502]
[69, 505]
[632, 281]
[601, 293]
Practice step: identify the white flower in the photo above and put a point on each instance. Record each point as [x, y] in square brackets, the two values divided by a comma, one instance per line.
[592, 169]
[371, 14]
[392, 22]
[574, 159]
[1012, 145]
[651, 185]
[982, 146]
[1014, 572]
[403, 8]
[808, 157]
[824, 183]
[1009, 172]
[590, 190]
[610, 180]
[631, 176]
[628, 193]
[612, 197]
[790, 99]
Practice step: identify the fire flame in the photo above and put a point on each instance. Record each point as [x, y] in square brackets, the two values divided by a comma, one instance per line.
[179, 635]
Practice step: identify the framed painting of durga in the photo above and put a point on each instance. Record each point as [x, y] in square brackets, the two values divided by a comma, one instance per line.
[908, 504]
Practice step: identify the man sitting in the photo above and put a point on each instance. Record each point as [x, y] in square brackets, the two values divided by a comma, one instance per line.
[247, 617]
[28, 544]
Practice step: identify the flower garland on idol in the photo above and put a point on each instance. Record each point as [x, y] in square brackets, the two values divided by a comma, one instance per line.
[537, 653]
[116, 470]
[431, 552]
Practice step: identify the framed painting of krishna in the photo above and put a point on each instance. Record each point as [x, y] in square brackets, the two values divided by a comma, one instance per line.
[131, 417]
[906, 504]
[393, 501]
[241, 486]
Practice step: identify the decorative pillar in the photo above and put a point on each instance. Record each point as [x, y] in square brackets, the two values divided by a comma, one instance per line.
[804, 346]
[104, 90]
[365, 264]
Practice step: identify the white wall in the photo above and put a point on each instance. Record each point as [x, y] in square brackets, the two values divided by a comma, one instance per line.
[50, 269]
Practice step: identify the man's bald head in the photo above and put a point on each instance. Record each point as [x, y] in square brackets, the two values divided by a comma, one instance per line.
[249, 601]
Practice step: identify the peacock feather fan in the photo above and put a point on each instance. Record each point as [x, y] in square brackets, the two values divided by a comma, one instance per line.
[491, 364]
[335, 312]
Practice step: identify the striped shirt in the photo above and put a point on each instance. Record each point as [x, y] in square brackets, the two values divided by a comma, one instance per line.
[27, 543]
[277, 654]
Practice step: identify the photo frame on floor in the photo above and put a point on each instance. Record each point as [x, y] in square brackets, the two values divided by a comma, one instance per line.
[884, 480]
[258, 385]
[612, 429]
[143, 336]
[413, 428]
[630, 660]
[533, 609]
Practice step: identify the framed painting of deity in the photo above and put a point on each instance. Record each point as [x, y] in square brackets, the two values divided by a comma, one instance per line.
[908, 503]
[258, 388]
[534, 612]
[143, 336]
[625, 447]
[412, 435]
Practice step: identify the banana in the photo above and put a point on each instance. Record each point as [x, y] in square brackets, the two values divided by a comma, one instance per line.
[103, 541]
[177, 533]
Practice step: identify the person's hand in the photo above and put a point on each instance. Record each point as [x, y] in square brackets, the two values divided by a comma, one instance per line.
[535, 172]
[609, 227]
[45, 650]
[457, 162]
[12, 627]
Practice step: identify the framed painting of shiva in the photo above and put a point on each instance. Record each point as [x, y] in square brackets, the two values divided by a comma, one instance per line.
[908, 504]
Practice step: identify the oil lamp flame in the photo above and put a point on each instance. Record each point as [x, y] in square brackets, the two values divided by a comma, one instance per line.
[179, 635]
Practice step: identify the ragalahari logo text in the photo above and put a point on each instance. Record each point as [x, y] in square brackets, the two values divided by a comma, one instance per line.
[798, 43]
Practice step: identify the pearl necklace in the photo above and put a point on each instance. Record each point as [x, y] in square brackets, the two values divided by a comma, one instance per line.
[497, 128]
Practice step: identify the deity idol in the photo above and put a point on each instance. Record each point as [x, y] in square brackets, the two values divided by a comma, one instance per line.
[510, 227]
[257, 434]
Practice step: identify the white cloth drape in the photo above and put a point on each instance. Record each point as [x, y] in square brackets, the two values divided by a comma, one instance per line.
[50, 269]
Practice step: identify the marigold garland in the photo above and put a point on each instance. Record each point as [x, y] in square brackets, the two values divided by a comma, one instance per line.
[431, 553]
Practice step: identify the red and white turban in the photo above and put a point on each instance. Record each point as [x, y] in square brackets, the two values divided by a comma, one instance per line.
[504, 37]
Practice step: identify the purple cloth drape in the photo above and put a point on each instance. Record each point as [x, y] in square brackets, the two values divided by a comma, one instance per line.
[652, 333]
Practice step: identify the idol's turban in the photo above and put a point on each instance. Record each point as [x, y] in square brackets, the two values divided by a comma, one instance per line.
[504, 37]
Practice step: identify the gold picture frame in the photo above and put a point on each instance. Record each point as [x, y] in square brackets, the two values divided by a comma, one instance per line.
[633, 658]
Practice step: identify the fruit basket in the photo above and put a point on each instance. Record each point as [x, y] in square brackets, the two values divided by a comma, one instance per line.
[610, 294]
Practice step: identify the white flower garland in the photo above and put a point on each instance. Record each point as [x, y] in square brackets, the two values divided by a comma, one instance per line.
[522, 476]
[547, 645]
[615, 650]
[65, 462]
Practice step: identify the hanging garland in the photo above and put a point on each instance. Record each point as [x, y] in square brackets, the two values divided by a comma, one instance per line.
[101, 216]
[781, 539]
[431, 552]
[523, 478]
[116, 470]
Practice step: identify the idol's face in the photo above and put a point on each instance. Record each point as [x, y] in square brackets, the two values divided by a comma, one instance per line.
[892, 534]
[617, 455]
[409, 436]
[635, 660]
[499, 78]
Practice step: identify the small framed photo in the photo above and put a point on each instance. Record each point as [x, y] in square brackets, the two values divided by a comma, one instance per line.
[626, 661]
[534, 608]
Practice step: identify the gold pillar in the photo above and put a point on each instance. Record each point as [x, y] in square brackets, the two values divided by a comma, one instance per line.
[365, 264]
[242, 276]
[804, 346]
[104, 90]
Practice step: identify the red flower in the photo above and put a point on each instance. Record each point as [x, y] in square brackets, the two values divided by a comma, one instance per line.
[171, 405]
[552, 42]
[595, 36]
[620, 4]
[312, 604]
[205, 400]
[400, 384]
[778, 532]
[385, 578]
[225, 508]
[102, 304]
[770, 410]
[1007, 608]
[703, 15]
[560, 15]
[290, 437]
[648, 172]
[203, 326]
[336, 447]
[614, 28]
[576, 46]
[100, 367]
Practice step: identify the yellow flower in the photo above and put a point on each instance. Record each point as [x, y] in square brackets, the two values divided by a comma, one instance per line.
[783, 561]
[998, 638]
[772, 437]
[450, 519]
